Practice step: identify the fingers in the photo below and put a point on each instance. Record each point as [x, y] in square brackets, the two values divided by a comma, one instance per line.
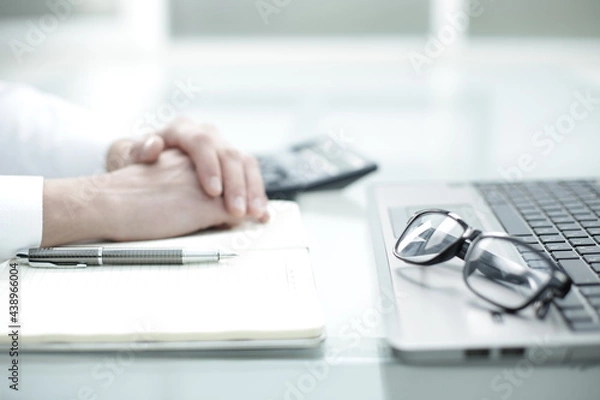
[127, 151]
[234, 182]
[147, 150]
[119, 155]
[244, 190]
[200, 144]
[208, 170]
[221, 169]
[255, 189]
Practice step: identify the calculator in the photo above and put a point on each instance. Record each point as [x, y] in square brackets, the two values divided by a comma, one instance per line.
[321, 163]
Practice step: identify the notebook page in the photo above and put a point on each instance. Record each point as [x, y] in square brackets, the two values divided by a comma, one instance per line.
[262, 294]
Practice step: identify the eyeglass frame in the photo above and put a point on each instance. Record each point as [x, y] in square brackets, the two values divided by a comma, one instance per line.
[558, 285]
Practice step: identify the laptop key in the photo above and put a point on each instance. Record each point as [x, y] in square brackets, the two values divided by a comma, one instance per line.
[568, 227]
[551, 239]
[545, 231]
[527, 209]
[591, 224]
[558, 246]
[589, 249]
[571, 300]
[596, 267]
[575, 234]
[534, 216]
[535, 246]
[528, 239]
[589, 198]
[593, 231]
[540, 224]
[494, 197]
[537, 264]
[564, 255]
[544, 201]
[585, 217]
[519, 199]
[530, 256]
[562, 220]
[594, 301]
[559, 212]
[577, 209]
[585, 326]
[592, 258]
[577, 315]
[590, 291]
[582, 242]
[579, 272]
[571, 202]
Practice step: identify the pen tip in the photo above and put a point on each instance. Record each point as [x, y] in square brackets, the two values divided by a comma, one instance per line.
[229, 254]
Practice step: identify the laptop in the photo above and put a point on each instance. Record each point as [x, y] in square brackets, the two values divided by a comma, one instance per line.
[435, 316]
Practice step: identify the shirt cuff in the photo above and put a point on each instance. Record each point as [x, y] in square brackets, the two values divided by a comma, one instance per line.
[21, 213]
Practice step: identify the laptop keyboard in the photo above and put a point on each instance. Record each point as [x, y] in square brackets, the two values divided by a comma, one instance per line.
[563, 219]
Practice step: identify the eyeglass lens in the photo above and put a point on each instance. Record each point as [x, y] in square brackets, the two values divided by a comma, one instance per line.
[427, 236]
[495, 270]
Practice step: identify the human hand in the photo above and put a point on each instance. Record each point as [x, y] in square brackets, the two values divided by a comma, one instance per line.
[220, 168]
[137, 202]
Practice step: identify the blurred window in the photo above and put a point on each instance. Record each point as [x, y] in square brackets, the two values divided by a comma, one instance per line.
[544, 18]
[298, 17]
[27, 8]
[572, 18]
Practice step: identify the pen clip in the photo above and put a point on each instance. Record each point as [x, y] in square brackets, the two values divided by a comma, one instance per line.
[45, 264]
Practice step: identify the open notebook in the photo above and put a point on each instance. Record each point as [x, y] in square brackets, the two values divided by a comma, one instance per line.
[266, 297]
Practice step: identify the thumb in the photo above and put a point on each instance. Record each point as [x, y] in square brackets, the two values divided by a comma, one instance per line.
[146, 150]
[119, 155]
[125, 152]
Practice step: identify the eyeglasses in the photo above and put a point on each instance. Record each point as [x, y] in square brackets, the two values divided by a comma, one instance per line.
[495, 267]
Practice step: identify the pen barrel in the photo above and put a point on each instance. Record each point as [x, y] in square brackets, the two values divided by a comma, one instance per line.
[65, 255]
[142, 256]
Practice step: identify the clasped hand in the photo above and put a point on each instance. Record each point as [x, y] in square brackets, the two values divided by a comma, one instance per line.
[221, 169]
[180, 180]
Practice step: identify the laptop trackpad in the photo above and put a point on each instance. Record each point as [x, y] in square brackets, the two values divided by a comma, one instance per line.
[439, 277]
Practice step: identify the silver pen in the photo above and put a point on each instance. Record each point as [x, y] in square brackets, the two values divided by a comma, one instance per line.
[81, 257]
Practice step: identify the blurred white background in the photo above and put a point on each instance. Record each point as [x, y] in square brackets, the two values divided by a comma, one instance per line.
[445, 89]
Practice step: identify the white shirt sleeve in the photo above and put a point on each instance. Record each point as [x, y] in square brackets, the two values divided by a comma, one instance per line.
[21, 201]
[45, 136]
[41, 134]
